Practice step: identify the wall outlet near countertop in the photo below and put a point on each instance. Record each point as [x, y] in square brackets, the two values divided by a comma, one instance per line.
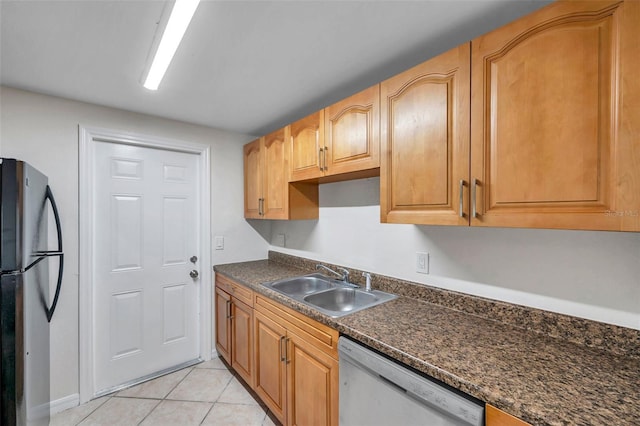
[422, 263]
[279, 240]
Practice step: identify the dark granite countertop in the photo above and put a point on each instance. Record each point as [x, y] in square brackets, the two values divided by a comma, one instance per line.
[541, 379]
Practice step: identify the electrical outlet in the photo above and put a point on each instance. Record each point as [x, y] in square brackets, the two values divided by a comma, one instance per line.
[422, 263]
[279, 240]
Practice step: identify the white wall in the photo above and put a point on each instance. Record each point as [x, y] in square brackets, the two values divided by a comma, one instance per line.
[588, 274]
[43, 131]
[593, 275]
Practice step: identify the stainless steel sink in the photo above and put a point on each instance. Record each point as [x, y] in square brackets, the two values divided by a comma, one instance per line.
[331, 297]
[304, 285]
[346, 300]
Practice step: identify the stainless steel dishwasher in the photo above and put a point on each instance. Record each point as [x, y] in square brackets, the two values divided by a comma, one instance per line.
[377, 391]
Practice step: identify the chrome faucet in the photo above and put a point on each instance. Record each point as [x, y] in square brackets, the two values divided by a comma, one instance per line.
[344, 276]
[367, 276]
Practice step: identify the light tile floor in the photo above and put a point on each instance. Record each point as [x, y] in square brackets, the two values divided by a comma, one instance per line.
[207, 394]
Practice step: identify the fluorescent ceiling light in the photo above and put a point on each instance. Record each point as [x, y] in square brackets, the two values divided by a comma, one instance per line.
[179, 20]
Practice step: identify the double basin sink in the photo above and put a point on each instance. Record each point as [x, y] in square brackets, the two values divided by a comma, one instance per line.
[331, 297]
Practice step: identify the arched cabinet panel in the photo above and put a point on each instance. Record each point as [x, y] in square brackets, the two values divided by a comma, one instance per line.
[548, 106]
[425, 142]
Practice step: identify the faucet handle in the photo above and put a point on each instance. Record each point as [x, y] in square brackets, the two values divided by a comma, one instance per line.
[345, 274]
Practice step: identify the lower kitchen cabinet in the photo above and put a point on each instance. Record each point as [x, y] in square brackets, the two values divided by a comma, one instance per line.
[312, 384]
[223, 324]
[497, 417]
[234, 326]
[270, 380]
[288, 359]
[296, 365]
[242, 340]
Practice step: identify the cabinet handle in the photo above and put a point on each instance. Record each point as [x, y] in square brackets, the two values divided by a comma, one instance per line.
[260, 206]
[474, 212]
[320, 149]
[228, 309]
[461, 211]
[283, 352]
[324, 158]
[286, 351]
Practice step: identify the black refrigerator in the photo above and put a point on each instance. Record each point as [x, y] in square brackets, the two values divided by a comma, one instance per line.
[26, 306]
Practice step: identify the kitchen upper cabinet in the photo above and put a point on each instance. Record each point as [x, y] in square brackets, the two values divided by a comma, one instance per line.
[267, 192]
[555, 115]
[424, 125]
[339, 142]
[307, 147]
[266, 177]
[253, 180]
[352, 134]
[553, 131]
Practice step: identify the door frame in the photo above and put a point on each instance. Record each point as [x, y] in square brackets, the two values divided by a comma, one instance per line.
[87, 138]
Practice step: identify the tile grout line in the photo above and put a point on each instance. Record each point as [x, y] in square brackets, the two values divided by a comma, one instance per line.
[218, 399]
[173, 388]
[149, 413]
[164, 398]
[178, 384]
[93, 411]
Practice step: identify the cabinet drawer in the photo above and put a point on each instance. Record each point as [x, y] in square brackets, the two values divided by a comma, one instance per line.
[322, 336]
[236, 290]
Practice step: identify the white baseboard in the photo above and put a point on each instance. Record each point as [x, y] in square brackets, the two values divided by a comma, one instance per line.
[65, 403]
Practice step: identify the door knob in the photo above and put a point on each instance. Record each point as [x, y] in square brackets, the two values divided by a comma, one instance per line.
[193, 274]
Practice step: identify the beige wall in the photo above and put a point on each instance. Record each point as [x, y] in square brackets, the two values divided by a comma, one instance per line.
[43, 131]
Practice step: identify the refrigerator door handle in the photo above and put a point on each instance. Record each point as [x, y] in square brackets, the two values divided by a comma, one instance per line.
[49, 196]
[44, 254]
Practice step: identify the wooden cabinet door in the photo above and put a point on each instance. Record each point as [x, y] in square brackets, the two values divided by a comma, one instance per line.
[242, 340]
[253, 180]
[223, 328]
[424, 134]
[352, 133]
[270, 371]
[496, 417]
[556, 118]
[276, 176]
[307, 147]
[312, 384]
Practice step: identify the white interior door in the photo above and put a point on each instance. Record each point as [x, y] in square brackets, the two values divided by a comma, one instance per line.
[145, 227]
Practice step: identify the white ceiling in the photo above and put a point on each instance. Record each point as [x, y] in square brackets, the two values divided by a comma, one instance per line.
[243, 66]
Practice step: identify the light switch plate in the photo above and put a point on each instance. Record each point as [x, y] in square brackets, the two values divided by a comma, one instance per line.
[422, 263]
[219, 243]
